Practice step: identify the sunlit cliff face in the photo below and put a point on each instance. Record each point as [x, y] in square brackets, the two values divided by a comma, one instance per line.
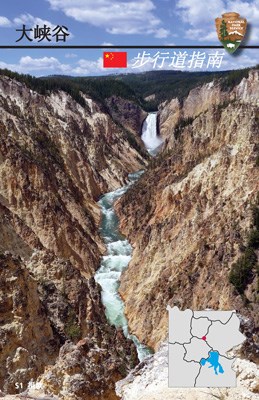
[187, 218]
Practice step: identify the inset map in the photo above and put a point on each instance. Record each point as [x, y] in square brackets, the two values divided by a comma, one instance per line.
[198, 342]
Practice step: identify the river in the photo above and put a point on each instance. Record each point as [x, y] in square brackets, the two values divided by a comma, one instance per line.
[119, 250]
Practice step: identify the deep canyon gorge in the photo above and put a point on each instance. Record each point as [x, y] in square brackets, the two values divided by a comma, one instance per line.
[92, 251]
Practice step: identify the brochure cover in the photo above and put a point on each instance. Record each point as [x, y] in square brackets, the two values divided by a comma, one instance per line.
[129, 200]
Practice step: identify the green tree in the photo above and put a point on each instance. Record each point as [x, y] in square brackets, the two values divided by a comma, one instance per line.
[242, 271]
[223, 30]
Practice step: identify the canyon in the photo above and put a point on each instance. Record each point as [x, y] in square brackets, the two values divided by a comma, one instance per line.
[187, 218]
[56, 159]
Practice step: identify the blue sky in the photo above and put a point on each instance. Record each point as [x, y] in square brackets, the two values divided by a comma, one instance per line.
[127, 22]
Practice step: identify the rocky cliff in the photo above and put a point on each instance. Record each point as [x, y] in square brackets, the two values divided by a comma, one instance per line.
[127, 113]
[189, 216]
[26, 338]
[56, 159]
[58, 156]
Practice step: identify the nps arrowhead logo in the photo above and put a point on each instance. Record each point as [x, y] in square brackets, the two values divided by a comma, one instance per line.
[231, 30]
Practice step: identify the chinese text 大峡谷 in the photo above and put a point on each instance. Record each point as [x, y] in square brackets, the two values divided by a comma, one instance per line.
[40, 33]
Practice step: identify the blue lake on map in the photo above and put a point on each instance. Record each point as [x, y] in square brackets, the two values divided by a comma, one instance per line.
[213, 360]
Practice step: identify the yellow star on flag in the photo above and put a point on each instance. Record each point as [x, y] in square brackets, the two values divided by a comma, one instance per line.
[115, 59]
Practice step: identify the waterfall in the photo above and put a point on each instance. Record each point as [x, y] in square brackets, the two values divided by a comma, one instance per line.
[114, 262]
[149, 134]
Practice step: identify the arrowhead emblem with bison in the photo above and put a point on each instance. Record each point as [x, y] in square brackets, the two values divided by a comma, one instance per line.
[231, 29]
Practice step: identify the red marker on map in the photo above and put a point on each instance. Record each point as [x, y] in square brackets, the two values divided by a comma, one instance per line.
[204, 338]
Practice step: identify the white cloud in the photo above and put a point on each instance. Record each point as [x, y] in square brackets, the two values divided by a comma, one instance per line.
[32, 21]
[116, 17]
[245, 60]
[197, 13]
[51, 65]
[44, 63]
[90, 67]
[28, 64]
[200, 16]
[26, 19]
[5, 22]
[248, 10]
[162, 33]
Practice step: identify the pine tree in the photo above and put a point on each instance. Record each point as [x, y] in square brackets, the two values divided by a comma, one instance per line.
[223, 30]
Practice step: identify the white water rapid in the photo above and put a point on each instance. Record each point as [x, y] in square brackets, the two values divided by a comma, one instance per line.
[118, 248]
[149, 134]
[117, 259]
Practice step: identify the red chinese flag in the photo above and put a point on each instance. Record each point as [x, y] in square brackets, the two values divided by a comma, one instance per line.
[117, 59]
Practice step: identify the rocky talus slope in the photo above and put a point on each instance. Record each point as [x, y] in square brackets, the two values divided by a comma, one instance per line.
[189, 215]
[56, 158]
